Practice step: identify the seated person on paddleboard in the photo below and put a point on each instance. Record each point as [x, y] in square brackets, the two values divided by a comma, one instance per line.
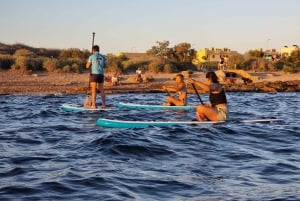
[181, 92]
[97, 62]
[217, 110]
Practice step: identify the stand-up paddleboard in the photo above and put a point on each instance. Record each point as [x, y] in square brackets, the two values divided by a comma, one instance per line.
[156, 107]
[76, 108]
[112, 123]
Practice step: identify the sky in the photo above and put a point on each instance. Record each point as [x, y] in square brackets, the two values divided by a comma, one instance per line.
[137, 25]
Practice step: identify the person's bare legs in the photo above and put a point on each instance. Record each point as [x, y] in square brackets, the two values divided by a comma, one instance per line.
[200, 117]
[101, 89]
[173, 101]
[206, 113]
[94, 94]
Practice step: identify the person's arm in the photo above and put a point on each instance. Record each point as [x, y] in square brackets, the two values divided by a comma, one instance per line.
[170, 89]
[215, 88]
[202, 85]
[180, 87]
[88, 64]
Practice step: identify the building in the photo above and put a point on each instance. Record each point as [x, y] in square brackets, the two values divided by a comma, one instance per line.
[271, 55]
[287, 51]
[212, 55]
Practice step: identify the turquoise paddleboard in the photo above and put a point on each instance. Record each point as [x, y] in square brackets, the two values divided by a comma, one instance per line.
[142, 124]
[112, 123]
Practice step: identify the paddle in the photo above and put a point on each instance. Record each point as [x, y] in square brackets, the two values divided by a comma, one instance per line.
[93, 40]
[167, 92]
[197, 94]
[88, 100]
[89, 87]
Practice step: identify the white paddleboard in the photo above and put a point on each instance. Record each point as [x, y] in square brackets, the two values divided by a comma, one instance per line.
[153, 107]
[75, 108]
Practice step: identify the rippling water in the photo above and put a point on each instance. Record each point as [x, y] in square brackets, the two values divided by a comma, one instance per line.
[50, 154]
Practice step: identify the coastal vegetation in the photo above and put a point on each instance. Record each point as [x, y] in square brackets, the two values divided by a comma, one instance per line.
[160, 58]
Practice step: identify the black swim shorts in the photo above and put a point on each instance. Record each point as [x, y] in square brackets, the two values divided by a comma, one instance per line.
[99, 78]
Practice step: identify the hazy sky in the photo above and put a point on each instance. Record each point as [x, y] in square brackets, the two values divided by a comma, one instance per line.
[136, 25]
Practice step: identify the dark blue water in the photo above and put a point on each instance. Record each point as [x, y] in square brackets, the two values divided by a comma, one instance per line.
[50, 154]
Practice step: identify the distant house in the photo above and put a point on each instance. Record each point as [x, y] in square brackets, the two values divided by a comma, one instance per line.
[271, 55]
[287, 51]
[212, 55]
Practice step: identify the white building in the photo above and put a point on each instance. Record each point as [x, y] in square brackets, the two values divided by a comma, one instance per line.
[287, 51]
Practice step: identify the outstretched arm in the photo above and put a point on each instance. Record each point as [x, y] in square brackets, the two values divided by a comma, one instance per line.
[202, 85]
[170, 89]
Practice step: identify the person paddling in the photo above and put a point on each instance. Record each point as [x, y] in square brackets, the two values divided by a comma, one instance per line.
[181, 92]
[97, 62]
[217, 110]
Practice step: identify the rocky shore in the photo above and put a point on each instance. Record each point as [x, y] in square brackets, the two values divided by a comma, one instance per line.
[56, 83]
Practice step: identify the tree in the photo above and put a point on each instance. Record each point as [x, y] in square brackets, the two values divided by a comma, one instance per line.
[234, 61]
[184, 53]
[114, 63]
[160, 50]
[295, 57]
[256, 53]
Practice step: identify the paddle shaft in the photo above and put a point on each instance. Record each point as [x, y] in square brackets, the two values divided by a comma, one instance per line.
[91, 66]
[167, 92]
[93, 41]
[197, 94]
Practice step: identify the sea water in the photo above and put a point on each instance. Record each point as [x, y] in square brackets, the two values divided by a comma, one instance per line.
[49, 154]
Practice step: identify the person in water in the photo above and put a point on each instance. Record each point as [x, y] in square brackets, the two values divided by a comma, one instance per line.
[181, 92]
[217, 110]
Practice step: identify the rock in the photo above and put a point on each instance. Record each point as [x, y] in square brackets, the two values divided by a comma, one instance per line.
[148, 78]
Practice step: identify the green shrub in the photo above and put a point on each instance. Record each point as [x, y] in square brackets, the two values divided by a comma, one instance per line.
[24, 64]
[21, 64]
[288, 69]
[169, 68]
[113, 69]
[279, 65]
[76, 65]
[76, 68]
[66, 69]
[50, 64]
[6, 61]
[155, 67]
[134, 63]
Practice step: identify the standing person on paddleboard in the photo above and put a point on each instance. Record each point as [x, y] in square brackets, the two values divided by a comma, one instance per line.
[217, 110]
[96, 62]
[181, 92]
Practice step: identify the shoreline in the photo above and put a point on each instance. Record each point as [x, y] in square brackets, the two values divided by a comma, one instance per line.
[12, 83]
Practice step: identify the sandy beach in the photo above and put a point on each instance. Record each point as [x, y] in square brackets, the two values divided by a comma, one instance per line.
[72, 83]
